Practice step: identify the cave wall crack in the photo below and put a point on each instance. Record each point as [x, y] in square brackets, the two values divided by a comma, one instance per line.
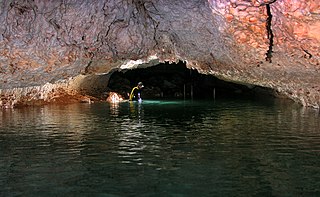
[269, 32]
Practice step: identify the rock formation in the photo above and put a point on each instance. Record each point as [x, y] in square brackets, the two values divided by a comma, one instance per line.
[54, 48]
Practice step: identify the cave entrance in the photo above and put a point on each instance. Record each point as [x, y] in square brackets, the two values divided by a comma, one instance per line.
[176, 81]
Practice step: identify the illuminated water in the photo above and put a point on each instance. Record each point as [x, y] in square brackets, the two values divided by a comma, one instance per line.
[160, 148]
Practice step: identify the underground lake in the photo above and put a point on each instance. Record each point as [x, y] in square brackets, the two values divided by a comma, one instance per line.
[221, 147]
[230, 103]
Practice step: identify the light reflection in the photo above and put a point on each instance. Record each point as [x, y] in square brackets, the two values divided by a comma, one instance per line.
[132, 137]
[136, 110]
[114, 99]
[114, 108]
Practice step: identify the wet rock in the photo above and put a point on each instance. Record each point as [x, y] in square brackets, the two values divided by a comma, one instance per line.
[114, 97]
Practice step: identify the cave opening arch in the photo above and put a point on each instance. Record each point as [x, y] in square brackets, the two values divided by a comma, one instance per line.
[176, 81]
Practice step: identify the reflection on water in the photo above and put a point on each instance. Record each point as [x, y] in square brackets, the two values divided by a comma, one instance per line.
[160, 148]
[114, 108]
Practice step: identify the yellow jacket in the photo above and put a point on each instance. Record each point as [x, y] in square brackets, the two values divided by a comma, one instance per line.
[132, 93]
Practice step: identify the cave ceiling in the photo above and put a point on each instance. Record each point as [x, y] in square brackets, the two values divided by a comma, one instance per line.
[270, 43]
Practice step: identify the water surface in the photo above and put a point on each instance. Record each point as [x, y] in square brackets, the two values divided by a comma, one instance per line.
[160, 148]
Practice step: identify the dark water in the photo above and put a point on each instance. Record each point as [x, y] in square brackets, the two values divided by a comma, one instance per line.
[160, 148]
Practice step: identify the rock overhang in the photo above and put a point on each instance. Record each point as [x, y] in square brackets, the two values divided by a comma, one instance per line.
[62, 43]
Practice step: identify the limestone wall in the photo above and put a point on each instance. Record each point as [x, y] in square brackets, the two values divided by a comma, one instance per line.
[270, 43]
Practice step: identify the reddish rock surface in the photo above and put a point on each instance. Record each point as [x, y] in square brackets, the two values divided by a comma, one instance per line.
[58, 46]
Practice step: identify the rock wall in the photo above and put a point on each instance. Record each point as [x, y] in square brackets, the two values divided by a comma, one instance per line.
[273, 44]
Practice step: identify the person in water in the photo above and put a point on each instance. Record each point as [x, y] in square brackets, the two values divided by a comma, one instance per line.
[135, 94]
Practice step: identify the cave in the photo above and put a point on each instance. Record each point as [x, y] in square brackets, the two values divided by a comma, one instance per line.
[203, 128]
[53, 49]
[176, 81]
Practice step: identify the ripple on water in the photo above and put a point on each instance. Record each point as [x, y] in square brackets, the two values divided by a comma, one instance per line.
[160, 149]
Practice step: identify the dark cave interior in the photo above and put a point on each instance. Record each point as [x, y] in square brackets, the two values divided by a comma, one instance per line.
[176, 81]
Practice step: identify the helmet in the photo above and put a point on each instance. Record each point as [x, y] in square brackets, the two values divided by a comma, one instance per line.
[140, 84]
